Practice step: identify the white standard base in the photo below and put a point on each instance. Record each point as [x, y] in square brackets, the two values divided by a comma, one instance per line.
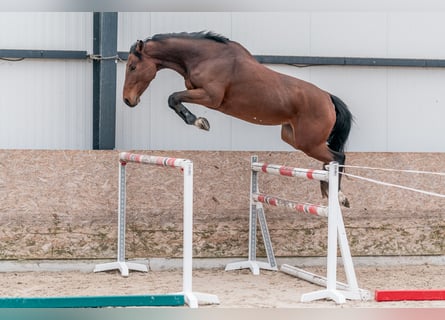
[324, 294]
[123, 267]
[193, 299]
[254, 266]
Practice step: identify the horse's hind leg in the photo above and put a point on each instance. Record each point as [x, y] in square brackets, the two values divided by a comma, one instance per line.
[318, 151]
[340, 157]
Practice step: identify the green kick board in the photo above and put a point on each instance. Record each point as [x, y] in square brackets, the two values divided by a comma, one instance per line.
[93, 301]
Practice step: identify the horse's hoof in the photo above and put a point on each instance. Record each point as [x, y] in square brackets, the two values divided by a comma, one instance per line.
[343, 200]
[202, 123]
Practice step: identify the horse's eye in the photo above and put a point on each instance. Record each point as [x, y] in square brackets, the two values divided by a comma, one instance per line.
[132, 68]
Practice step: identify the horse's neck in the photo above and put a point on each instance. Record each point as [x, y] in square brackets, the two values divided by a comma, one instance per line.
[174, 55]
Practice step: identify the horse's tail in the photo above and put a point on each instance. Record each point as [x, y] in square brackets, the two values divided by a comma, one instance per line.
[343, 122]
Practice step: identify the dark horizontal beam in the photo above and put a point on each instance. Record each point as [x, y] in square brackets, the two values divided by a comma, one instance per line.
[42, 54]
[342, 61]
[266, 59]
[349, 61]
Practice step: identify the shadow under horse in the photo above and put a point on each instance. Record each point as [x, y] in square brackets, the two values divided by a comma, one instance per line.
[222, 75]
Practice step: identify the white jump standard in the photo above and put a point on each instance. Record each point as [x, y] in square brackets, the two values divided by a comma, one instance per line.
[121, 263]
[335, 291]
[191, 298]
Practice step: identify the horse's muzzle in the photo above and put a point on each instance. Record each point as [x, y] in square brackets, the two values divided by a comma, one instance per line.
[130, 103]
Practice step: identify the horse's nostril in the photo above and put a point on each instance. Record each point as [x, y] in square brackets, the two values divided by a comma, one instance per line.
[127, 102]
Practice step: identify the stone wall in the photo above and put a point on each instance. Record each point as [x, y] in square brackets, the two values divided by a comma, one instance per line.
[63, 205]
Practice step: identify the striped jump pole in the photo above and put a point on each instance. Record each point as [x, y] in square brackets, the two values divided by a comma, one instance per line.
[335, 290]
[300, 207]
[191, 298]
[278, 170]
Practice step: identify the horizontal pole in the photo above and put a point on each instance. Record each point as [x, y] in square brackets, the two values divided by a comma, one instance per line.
[349, 293]
[341, 61]
[310, 277]
[300, 207]
[351, 61]
[279, 170]
[42, 54]
[153, 160]
[265, 59]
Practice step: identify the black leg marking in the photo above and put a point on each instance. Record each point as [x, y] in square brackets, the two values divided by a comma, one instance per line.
[324, 187]
[181, 110]
[186, 115]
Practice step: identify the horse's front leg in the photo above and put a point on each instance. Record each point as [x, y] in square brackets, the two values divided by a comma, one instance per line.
[175, 102]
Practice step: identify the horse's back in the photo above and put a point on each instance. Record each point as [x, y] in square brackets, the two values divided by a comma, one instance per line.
[256, 89]
[254, 92]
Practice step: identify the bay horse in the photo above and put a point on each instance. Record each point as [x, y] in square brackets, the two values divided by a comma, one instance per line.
[222, 75]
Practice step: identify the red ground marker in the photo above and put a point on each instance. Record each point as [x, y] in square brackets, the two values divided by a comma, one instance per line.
[404, 295]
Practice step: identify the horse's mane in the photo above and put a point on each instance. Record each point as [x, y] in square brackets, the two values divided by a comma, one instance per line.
[184, 35]
[191, 35]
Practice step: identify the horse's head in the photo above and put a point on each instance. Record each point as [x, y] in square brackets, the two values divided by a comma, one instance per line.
[140, 70]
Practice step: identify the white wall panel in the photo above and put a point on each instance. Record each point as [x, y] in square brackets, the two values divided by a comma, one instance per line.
[345, 34]
[416, 110]
[416, 35]
[166, 22]
[46, 30]
[46, 104]
[273, 33]
[132, 26]
[364, 90]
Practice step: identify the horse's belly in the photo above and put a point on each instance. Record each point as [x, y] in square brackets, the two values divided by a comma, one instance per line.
[257, 115]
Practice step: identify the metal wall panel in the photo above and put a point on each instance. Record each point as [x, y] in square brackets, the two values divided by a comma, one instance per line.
[416, 34]
[273, 33]
[365, 91]
[360, 34]
[46, 104]
[46, 30]
[416, 110]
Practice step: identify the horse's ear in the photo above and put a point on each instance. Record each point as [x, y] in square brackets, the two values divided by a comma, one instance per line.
[139, 46]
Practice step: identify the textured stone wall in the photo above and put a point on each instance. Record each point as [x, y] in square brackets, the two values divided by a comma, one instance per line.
[63, 205]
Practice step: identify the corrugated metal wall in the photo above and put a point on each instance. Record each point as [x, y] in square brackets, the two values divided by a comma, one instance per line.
[47, 104]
